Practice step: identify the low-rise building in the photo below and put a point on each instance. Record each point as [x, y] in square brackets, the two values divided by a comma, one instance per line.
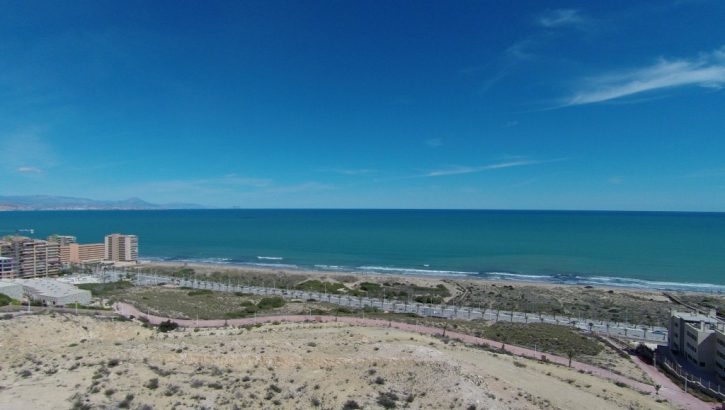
[699, 339]
[12, 290]
[720, 354]
[53, 292]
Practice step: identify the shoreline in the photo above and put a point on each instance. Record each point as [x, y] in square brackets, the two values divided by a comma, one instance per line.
[505, 278]
[615, 304]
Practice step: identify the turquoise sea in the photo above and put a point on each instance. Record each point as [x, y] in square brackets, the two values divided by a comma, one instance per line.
[632, 249]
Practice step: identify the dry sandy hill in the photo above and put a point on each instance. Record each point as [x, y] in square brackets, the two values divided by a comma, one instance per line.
[65, 361]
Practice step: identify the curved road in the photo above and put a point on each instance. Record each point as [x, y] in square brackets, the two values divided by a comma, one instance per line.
[668, 391]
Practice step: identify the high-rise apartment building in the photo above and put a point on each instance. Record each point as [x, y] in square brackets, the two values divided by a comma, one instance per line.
[31, 257]
[121, 248]
[87, 252]
[7, 267]
[64, 241]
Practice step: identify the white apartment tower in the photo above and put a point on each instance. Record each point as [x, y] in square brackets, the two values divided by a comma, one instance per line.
[30, 257]
[121, 248]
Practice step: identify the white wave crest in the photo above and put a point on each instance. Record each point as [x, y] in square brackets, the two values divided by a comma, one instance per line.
[413, 271]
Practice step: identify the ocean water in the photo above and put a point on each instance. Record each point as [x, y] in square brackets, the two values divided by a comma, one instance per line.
[631, 249]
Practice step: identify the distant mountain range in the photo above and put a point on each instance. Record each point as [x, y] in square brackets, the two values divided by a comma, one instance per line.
[58, 203]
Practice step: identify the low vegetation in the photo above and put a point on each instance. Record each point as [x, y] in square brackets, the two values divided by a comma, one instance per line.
[585, 301]
[314, 285]
[105, 289]
[544, 337]
[6, 300]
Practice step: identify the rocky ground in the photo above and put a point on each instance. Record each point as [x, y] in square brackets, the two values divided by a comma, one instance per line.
[56, 361]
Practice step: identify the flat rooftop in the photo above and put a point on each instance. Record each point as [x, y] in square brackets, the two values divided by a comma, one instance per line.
[49, 287]
[695, 317]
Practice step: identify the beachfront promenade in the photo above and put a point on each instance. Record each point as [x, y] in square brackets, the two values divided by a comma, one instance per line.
[668, 391]
[652, 334]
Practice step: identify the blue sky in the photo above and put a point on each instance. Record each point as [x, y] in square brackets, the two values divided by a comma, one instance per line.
[489, 104]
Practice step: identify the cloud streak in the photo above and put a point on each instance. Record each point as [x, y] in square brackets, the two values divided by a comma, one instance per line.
[489, 167]
[26, 152]
[30, 170]
[350, 172]
[434, 142]
[561, 17]
[707, 70]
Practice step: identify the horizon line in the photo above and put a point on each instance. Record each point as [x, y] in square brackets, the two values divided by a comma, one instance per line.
[369, 209]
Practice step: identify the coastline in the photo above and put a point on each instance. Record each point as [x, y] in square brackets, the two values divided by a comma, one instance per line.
[616, 304]
[503, 278]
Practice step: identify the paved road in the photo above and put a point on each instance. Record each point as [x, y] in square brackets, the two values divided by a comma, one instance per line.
[652, 334]
[669, 391]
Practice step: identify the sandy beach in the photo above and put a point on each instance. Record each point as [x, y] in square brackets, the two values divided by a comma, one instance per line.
[611, 303]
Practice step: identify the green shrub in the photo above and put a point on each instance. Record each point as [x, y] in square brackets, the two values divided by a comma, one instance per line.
[270, 302]
[5, 300]
[103, 289]
[152, 384]
[126, 402]
[351, 405]
[436, 300]
[387, 400]
[167, 326]
[317, 286]
[200, 292]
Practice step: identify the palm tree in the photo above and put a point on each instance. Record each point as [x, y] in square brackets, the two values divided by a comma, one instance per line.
[570, 354]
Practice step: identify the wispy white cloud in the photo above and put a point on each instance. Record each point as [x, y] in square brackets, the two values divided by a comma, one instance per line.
[30, 170]
[561, 17]
[707, 173]
[222, 190]
[615, 180]
[311, 186]
[489, 167]
[199, 186]
[26, 151]
[350, 171]
[706, 70]
[434, 142]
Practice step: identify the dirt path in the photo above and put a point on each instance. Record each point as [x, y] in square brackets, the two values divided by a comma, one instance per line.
[669, 391]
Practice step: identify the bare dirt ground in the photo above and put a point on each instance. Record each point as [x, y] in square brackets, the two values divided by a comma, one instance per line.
[62, 361]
